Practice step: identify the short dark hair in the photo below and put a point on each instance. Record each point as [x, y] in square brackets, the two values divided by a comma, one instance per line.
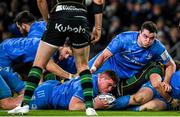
[112, 74]
[24, 17]
[150, 26]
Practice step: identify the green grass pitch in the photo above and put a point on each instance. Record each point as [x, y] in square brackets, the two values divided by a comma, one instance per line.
[100, 113]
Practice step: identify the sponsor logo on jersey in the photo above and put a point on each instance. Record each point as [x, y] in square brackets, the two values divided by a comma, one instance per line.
[68, 8]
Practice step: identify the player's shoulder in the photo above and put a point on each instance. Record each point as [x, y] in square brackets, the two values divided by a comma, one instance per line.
[157, 44]
[128, 35]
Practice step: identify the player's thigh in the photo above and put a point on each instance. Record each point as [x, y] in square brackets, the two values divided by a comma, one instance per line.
[81, 58]
[12, 79]
[5, 91]
[155, 105]
[44, 52]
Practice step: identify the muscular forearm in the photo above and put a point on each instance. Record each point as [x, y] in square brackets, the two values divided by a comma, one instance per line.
[78, 106]
[163, 93]
[101, 59]
[170, 69]
[54, 68]
[43, 7]
[98, 21]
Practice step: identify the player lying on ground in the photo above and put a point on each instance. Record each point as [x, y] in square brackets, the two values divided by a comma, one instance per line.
[55, 95]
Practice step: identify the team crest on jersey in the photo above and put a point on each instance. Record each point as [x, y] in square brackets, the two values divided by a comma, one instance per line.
[149, 56]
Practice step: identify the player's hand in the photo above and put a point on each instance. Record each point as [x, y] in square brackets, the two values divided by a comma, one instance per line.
[175, 103]
[93, 69]
[167, 87]
[95, 35]
[100, 104]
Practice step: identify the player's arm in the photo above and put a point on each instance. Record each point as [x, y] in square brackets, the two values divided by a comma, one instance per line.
[57, 70]
[43, 7]
[98, 13]
[170, 69]
[78, 104]
[101, 59]
[156, 82]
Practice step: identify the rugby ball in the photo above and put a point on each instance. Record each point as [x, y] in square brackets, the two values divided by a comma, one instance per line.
[109, 97]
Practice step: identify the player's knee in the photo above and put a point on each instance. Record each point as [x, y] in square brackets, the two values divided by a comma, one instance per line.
[138, 99]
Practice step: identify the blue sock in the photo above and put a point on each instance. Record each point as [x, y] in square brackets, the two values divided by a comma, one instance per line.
[134, 108]
[121, 102]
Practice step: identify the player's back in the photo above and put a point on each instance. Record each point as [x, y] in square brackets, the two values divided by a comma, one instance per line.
[18, 50]
[22, 49]
[63, 93]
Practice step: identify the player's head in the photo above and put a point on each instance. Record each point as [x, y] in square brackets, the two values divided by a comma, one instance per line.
[147, 34]
[107, 81]
[23, 21]
[64, 52]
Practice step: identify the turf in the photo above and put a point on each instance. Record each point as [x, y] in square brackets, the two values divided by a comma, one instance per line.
[100, 113]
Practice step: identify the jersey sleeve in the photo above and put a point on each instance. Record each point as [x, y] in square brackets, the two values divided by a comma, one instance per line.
[79, 94]
[15, 49]
[116, 44]
[161, 54]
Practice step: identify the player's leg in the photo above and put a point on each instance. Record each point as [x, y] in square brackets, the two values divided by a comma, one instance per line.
[81, 56]
[141, 96]
[155, 105]
[10, 102]
[138, 98]
[6, 100]
[43, 55]
[13, 80]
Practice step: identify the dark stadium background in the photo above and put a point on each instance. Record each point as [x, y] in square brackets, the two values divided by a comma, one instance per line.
[119, 15]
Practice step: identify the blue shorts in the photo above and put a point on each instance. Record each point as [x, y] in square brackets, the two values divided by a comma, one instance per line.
[155, 93]
[105, 66]
[10, 82]
[42, 95]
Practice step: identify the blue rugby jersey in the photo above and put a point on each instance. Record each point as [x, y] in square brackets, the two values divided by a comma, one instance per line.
[175, 84]
[63, 93]
[129, 58]
[21, 49]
